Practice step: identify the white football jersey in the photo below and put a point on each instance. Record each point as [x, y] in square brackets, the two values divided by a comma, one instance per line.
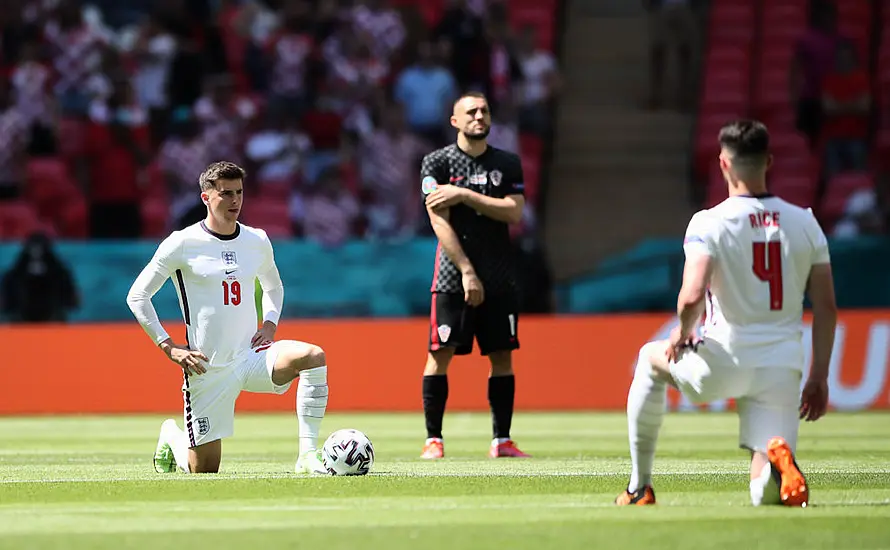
[763, 249]
[214, 278]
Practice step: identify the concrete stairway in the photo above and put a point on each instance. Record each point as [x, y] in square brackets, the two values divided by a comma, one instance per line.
[619, 172]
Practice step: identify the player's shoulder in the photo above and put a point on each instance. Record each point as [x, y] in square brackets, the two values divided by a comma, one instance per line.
[499, 153]
[253, 233]
[502, 156]
[441, 155]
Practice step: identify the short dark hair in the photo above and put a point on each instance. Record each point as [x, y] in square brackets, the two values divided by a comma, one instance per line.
[222, 170]
[477, 95]
[746, 140]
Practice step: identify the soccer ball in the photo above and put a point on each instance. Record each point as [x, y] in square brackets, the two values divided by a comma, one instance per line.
[348, 453]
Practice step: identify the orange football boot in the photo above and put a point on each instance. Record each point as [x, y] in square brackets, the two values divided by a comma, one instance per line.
[794, 487]
[641, 497]
[507, 449]
[433, 449]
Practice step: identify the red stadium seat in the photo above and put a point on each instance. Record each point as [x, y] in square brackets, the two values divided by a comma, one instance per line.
[18, 219]
[799, 189]
[72, 221]
[262, 212]
[155, 213]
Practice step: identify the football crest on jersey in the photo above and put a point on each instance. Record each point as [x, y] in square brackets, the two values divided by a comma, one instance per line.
[228, 257]
[203, 425]
[444, 332]
[496, 177]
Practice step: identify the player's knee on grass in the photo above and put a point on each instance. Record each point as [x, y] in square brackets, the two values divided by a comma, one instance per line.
[205, 458]
[295, 357]
[437, 361]
[501, 363]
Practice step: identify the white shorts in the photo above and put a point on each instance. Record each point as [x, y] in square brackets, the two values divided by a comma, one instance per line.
[209, 399]
[767, 399]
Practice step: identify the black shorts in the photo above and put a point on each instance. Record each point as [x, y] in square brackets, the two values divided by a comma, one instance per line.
[494, 324]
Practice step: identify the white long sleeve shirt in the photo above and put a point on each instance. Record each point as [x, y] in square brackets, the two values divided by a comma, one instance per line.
[214, 278]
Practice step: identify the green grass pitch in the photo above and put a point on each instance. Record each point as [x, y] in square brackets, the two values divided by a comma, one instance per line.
[87, 482]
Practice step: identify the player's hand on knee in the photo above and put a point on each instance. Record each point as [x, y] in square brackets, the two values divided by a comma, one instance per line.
[814, 399]
[189, 360]
[474, 294]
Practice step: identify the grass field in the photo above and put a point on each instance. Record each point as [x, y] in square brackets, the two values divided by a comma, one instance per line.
[87, 482]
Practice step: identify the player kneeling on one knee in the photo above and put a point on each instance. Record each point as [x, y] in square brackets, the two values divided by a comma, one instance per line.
[213, 263]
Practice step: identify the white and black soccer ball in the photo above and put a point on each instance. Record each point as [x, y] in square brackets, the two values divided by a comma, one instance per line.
[348, 453]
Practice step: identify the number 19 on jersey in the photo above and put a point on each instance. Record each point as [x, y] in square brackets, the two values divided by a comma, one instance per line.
[231, 293]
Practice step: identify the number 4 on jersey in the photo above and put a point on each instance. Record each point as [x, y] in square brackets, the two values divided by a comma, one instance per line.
[767, 266]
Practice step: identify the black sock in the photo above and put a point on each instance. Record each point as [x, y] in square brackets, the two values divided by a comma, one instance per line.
[501, 390]
[435, 394]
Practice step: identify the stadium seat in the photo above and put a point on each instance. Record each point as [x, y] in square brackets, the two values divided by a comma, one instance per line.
[72, 138]
[72, 220]
[838, 191]
[18, 219]
[263, 212]
[799, 189]
[46, 168]
[274, 190]
[155, 212]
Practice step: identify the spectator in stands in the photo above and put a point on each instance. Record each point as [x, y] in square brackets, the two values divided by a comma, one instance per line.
[862, 216]
[814, 57]
[225, 118]
[31, 81]
[498, 62]
[504, 131]
[291, 58]
[327, 213]
[672, 25]
[183, 156]
[14, 137]
[427, 90]
[540, 84]
[277, 153]
[77, 52]
[390, 160]
[111, 170]
[153, 53]
[382, 24]
[39, 287]
[846, 104]
[464, 31]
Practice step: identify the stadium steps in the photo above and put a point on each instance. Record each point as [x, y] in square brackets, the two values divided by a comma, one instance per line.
[620, 172]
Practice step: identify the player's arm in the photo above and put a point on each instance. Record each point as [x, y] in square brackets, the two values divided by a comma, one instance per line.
[146, 285]
[699, 245]
[691, 300]
[273, 297]
[820, 291]
[507, 209]
[448, 239]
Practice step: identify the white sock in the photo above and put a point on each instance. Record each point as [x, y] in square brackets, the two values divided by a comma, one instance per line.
[179, 442]
[645, 413]
[765, 487]
[312, 400]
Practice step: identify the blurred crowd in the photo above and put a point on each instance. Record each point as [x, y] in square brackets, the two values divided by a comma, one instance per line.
[109, 109]
[832, 88]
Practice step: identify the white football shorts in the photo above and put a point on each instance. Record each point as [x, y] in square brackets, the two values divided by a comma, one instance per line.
[767, 399]
[209, 399]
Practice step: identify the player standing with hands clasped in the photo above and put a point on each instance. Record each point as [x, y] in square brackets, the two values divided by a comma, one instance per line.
[749, 262]
[473, 191]
[213, 265]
